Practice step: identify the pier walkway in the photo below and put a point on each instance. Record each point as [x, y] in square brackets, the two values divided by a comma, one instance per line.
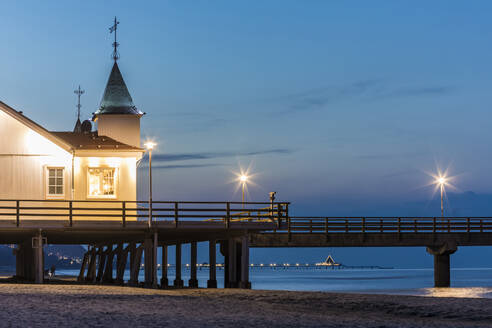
[120, 232]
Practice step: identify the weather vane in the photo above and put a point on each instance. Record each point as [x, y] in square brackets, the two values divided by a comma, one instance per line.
[79, 92]
[112, 29]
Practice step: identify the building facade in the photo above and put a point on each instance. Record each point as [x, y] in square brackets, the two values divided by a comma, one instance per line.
[83, 164]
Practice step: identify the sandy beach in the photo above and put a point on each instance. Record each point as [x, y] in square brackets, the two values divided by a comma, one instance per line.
[23, 305]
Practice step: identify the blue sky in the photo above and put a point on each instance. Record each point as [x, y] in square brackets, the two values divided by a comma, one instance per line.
[339, 106]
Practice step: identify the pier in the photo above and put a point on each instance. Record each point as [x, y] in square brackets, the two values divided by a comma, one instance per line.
[119, 233]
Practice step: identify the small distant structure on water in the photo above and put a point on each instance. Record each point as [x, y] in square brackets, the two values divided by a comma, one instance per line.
[329, 262]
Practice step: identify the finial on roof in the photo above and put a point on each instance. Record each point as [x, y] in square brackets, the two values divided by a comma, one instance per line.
[112, 29]
[79, 92]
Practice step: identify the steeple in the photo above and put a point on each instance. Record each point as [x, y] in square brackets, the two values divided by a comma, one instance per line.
[117, 117]
[116, 98]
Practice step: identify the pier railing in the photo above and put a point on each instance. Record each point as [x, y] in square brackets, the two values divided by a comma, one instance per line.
[72, 211]
[326, 225]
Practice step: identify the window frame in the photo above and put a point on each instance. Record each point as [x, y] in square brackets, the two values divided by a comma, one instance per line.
[47, 182]
[115, 182]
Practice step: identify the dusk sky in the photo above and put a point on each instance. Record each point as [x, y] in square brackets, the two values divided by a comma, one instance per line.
[339, 106]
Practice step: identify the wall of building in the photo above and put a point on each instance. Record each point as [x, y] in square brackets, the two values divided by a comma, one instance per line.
[126, 180]
[24, 155]
[123, 128]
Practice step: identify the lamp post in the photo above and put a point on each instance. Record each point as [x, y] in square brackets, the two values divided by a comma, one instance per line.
[149, 145]
[441, 181]
[243, 179]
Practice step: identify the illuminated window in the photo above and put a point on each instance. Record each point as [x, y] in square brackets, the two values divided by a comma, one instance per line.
[54, 183]
[102, 182]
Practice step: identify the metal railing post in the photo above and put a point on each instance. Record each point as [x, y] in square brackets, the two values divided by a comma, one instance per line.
[70, 212]
[176, 214]
[468, 225]
[17, 212]
[123, 216]
[228, 215]
[363, 225]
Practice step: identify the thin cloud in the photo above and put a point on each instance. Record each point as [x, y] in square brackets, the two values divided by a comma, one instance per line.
[214, 155]
[391, 156]
[370, 89]
[181, 166]
[421, 91]
[317, 98]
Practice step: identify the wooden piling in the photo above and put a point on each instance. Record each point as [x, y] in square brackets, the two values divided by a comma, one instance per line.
[101, 263]
[108, 268]
[91, 270]
[122, 259]
[83, 267]
[135, 269]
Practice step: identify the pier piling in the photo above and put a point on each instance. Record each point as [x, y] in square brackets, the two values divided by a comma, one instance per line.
[193, 282]
[212, 281]
[178, 282]
[442, 276]
[164, 279]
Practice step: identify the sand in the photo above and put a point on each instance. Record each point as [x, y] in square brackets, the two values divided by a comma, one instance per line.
[24, 305]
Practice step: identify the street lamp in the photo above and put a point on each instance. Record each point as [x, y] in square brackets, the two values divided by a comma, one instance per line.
[243, 179]
[441, 181]
[149, 145]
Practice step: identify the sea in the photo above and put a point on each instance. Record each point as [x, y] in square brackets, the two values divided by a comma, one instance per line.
[465, 282]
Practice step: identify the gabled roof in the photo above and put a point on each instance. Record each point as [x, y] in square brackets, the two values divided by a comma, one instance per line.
[116, 98]
[70, 141]
[92, 141]
[19, 116]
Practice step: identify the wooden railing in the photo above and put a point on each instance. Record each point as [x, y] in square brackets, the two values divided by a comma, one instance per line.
[327, 225]
[124, 211]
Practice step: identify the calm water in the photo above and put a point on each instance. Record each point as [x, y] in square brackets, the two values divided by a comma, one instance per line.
[465, 282]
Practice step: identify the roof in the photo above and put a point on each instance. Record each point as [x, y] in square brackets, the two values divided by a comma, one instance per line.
[19, 116]
[116, 98]
[78, 126]
[92, 141]
[69, 141]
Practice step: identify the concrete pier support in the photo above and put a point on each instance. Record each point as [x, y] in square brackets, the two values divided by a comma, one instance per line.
[24, 262]
[193, 282]
[155, 243]
[37, 245]
[245, 283]
[164, 279]
[178, 282]
[212, 280]
[232, 261]
[442, 276]
[149, 261]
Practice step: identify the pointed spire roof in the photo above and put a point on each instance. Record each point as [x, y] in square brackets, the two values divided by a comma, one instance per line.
[78, 126]
[116, 98]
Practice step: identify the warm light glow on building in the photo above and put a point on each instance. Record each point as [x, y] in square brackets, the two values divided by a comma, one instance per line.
[102, 182]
